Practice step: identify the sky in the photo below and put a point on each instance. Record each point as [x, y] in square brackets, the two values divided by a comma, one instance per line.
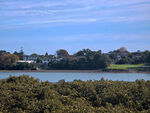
[41, 26]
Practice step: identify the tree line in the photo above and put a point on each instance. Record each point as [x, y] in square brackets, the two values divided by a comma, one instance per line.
[132, 58]
[83, 59]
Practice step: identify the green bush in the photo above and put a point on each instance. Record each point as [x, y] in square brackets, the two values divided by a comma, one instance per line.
[25, 94]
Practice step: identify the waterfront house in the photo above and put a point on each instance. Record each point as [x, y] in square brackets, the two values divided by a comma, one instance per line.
[27, 61]
[30, 58]
[46, 60]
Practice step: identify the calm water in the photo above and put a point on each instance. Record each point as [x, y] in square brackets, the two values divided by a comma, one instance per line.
[54, 77]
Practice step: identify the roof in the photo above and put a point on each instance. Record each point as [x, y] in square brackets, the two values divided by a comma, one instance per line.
[27, 61]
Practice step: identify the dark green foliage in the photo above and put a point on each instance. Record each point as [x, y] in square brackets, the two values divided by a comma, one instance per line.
[24, 66]
[124, 60]
[84, 59]
[25, 94]
[3, 52]
[46, 54]
[39, 60]
[148, 58]
[131, 58]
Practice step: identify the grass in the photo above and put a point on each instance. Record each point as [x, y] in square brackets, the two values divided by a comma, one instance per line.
[124, 66]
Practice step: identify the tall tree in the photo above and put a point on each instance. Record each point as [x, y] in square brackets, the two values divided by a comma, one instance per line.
[7, 60]
[101, 61]
[62, 53]
[46, 54]
[20, 54]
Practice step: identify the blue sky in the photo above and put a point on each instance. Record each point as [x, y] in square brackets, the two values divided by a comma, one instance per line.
[41, 26]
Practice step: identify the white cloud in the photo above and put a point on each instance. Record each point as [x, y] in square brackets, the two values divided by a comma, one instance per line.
[59, 21]
[72, 11]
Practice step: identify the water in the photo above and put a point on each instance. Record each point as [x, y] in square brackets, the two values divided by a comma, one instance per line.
[55, 77]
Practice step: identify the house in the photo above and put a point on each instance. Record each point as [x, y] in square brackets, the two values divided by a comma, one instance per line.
[123, 52]
[46, 60]
[59, 59]
[27, 61]
[107, 54]
[118, 54]
[118, 57]
[137, 56]
[30, 58]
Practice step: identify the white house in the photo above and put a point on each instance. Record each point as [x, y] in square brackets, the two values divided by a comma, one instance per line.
[27, 61]
[118, 57]
[46, 60]
[59, 59]
[30, 58]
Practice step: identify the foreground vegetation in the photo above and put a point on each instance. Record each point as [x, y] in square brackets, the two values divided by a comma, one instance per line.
[25, 94]
[124, 66]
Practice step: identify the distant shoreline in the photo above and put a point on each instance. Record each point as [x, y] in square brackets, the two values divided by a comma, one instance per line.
[75, 71]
